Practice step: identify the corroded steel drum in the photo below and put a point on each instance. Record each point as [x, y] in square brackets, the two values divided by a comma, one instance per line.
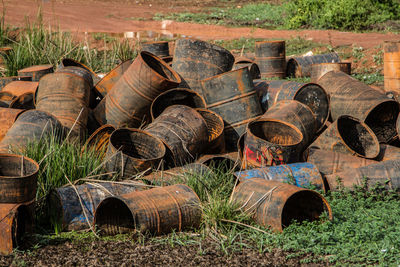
[18, 178]
[318, 70]
[385, 173]
[36, 72]
[6, 80]
[7, 119]
[349, 96]
[391, 67]
[128, 102]
[183, 131]
[18, 88]
[242, 62]
[157, 211]
[349, 135]
[131, 151]
[100, 138]
[65, 203]
[271, 58]
[389, 152]
[24, 101]
[310, 94]
[215, 127]
[276, 205]
[223, 162]
[158, 48]
[196, 60]
[176, 96]
[7, 98]
[108, 81]
[66, 62]
[66, 96]
[301, 66]
[302, 175]
[232, 96]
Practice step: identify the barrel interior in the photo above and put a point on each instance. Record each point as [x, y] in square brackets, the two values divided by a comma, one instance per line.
[215, 124]
[16, 166]
[114, 217]
[357, 137]
[21, 225]
[159, 67]
[276, 132]
[382, 120]
[292, 68]
[303, 206]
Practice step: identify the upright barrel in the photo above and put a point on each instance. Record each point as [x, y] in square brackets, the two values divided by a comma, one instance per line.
[391, 67]
[301, 66]
[271, 58]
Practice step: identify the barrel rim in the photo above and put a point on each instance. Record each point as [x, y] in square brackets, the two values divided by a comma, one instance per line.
[176, 76]
[219, 48]
[270, 41]
[79, 64]
[31, 161]
[99, 130]
[219, 118]
[110, 73]
[41, 67]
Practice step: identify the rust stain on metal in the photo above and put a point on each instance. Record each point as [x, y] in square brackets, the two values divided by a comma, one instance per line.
[215, 126]
[7, 119]
[100, 138]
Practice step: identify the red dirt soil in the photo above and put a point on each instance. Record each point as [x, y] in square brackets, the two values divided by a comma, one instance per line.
[117, 16]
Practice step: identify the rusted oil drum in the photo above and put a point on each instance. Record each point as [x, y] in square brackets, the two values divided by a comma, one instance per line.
[36, 72]
[18, 178]
[183, 131]
[31, 126]
[301, 66]
[297, 114]
[349, 96]
[6, 80]
[24, 101]
[196, 60]
[310, 94]
[158, 48]
[16, 221]
[65, 203]
[349, 135]
[7, 119]
[131, 151]
[277, 204]
[391, 66]
[385, 173]
[222, 162]
[7, 98]
[66, 62]
[66, 96]
[328, 161]
[389, 152]
[303, 175]
[215, 127]
[232, 96]
[271, 142]
[271, 58]
[318, 70]
[100, 138]
[108, 81]
[176, 96]
[128, 102]
[158, 210]
[4, 104]
[18, 88]
[242, 62]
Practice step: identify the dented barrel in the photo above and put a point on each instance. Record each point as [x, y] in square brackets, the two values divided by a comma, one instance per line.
[18, 88]
[7, 119]
[271, 58]
[107, 82]
[301, 66]
[6, 80]
[215, 128]
[318, 70]
[391, 66]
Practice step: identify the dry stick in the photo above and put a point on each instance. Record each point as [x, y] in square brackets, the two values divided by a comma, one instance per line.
[22, 166]
[247, 201]
[241, 52]
[104, 162]
[73, 125]
[246, 225]
[92, 176]
[101, 187]
[116, 182]
[261, 199]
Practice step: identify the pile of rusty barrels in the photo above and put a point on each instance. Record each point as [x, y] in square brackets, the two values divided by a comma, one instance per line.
[169, 114]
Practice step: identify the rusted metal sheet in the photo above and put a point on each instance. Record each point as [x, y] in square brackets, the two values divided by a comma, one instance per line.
[385, 173]
[242, 62]
[176, 96]
[65, 202]
[158, 48]
[16, 221]
[108, 81]
[128, 102]
[222, 162]
[183, 131]
[18, 178]
[276, 205]
[18, 88]
[24, 101]
[389, 152]
[391, 67]
[349, 96]
[196, 60]
[158, 210]
[271, 58]
[66, 96]
[7, 119]
[100, 138]
[310, 94]
[131, 151]
[232, 96]
[318, 70]
[301, 66]
[349, 135]
[215, 127]
[66, 62]
[6, 80]
[36, 72]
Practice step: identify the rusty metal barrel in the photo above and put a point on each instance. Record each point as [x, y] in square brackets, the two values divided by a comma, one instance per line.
[223, 162]
[385, 173]
[66, 210]
[318, 70]
[6, 80]
[349, 135]
[7, 98]
[276, 205]
[310, 94]
[271, 58]
[303, 175]
[176, 96]
[131, 151]
[183, 131]
[389, 152]
[31, 126]
[196, 60]
[301, 66]
[232, 96]
[215, 127]
[128, 102]
[157, 211]
[7, 118]
[36, 72]
[391, 67]
[100, 138]
[67, 62]
[18, 88]
[242, 62]
[349, 96]
[158, 48]
[18, 178]
[108, 81]
[24, 101]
